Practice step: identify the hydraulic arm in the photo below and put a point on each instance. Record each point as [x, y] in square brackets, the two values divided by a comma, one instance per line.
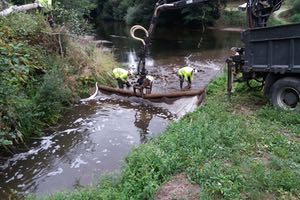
[258, 13]
[160, 6]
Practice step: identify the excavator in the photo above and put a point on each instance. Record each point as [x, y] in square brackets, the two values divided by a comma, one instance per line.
[258, 60]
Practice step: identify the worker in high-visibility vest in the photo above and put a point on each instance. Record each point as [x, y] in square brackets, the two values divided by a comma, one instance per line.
[186, 74]
[121, 75]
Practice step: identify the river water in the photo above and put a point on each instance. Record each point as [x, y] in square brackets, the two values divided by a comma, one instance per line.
[93, 138]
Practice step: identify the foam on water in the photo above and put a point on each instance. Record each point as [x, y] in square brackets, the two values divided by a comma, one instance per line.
[78, 161]
[54, 173]
[202, 64]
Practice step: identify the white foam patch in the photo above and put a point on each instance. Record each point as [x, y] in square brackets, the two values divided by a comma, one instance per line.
[9, 180]
[206, 64]
[68, 131]
[129, 137]
[118, 36]
[149, 62]
[161, 115]
[78, 120]
[78, 161]
[58, 171]
[105, 150]
[21, 186]
[46, 143]
[132, 60]
[19, 176]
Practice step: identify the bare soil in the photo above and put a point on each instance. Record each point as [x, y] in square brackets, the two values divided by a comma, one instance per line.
[178, 188]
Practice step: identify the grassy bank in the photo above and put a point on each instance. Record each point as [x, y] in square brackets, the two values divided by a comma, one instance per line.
[41, 74]
[240, 150]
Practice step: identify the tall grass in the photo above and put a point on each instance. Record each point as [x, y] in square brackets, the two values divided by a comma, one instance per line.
[37, 83]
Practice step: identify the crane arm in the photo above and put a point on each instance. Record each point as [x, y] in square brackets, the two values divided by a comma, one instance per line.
[258, 13]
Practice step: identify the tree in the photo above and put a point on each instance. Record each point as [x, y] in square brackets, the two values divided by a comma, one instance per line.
[140, 11]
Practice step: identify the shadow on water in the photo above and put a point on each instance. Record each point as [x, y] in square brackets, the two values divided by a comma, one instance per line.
[94, 138]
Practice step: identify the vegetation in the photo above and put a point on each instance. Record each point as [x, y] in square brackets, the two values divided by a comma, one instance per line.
[245, 149]
[295, 12]
[140, 11]
[42, 72]
[233, 18]
[74, 15]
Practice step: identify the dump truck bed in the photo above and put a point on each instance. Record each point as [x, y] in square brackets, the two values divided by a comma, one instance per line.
[272, 49]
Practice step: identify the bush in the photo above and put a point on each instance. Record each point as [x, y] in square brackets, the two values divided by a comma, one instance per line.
[274, 22]
[234, 18]
[71, 19]
[23, 26]
[295, 18]
[132, 14]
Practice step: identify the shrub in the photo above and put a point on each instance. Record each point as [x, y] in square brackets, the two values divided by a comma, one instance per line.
[234, 18]
[36, 83]
[24, 26]
[295, 18]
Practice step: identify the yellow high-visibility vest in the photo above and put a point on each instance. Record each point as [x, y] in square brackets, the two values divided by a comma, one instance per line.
[186, 72]
[121, 74]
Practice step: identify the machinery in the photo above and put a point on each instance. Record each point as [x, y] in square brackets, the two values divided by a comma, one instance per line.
[271, 55]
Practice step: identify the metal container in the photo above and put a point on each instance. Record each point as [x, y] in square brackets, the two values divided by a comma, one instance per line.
[272, 49]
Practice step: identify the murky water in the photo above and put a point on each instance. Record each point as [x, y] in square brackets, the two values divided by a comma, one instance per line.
[94, 138]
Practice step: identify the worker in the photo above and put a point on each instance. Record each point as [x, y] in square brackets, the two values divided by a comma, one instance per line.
[186, 74]
[121, 75]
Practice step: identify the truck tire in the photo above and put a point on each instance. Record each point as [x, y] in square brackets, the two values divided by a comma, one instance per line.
[285, 93]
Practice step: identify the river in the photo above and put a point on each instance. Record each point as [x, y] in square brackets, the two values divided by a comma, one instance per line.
[93, 138]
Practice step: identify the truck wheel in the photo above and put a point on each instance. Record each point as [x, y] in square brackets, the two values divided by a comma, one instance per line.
[285, 93]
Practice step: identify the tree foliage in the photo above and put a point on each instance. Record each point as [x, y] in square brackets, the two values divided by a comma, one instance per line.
[140, 11]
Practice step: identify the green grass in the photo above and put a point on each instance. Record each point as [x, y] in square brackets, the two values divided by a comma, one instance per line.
[243, 149]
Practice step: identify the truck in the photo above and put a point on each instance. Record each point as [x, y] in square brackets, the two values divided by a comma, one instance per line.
[270, 55]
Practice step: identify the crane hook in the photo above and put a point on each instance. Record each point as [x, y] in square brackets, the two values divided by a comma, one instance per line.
[134, 29]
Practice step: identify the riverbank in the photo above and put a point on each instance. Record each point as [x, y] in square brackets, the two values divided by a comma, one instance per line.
[238, 150]
[43, 72]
